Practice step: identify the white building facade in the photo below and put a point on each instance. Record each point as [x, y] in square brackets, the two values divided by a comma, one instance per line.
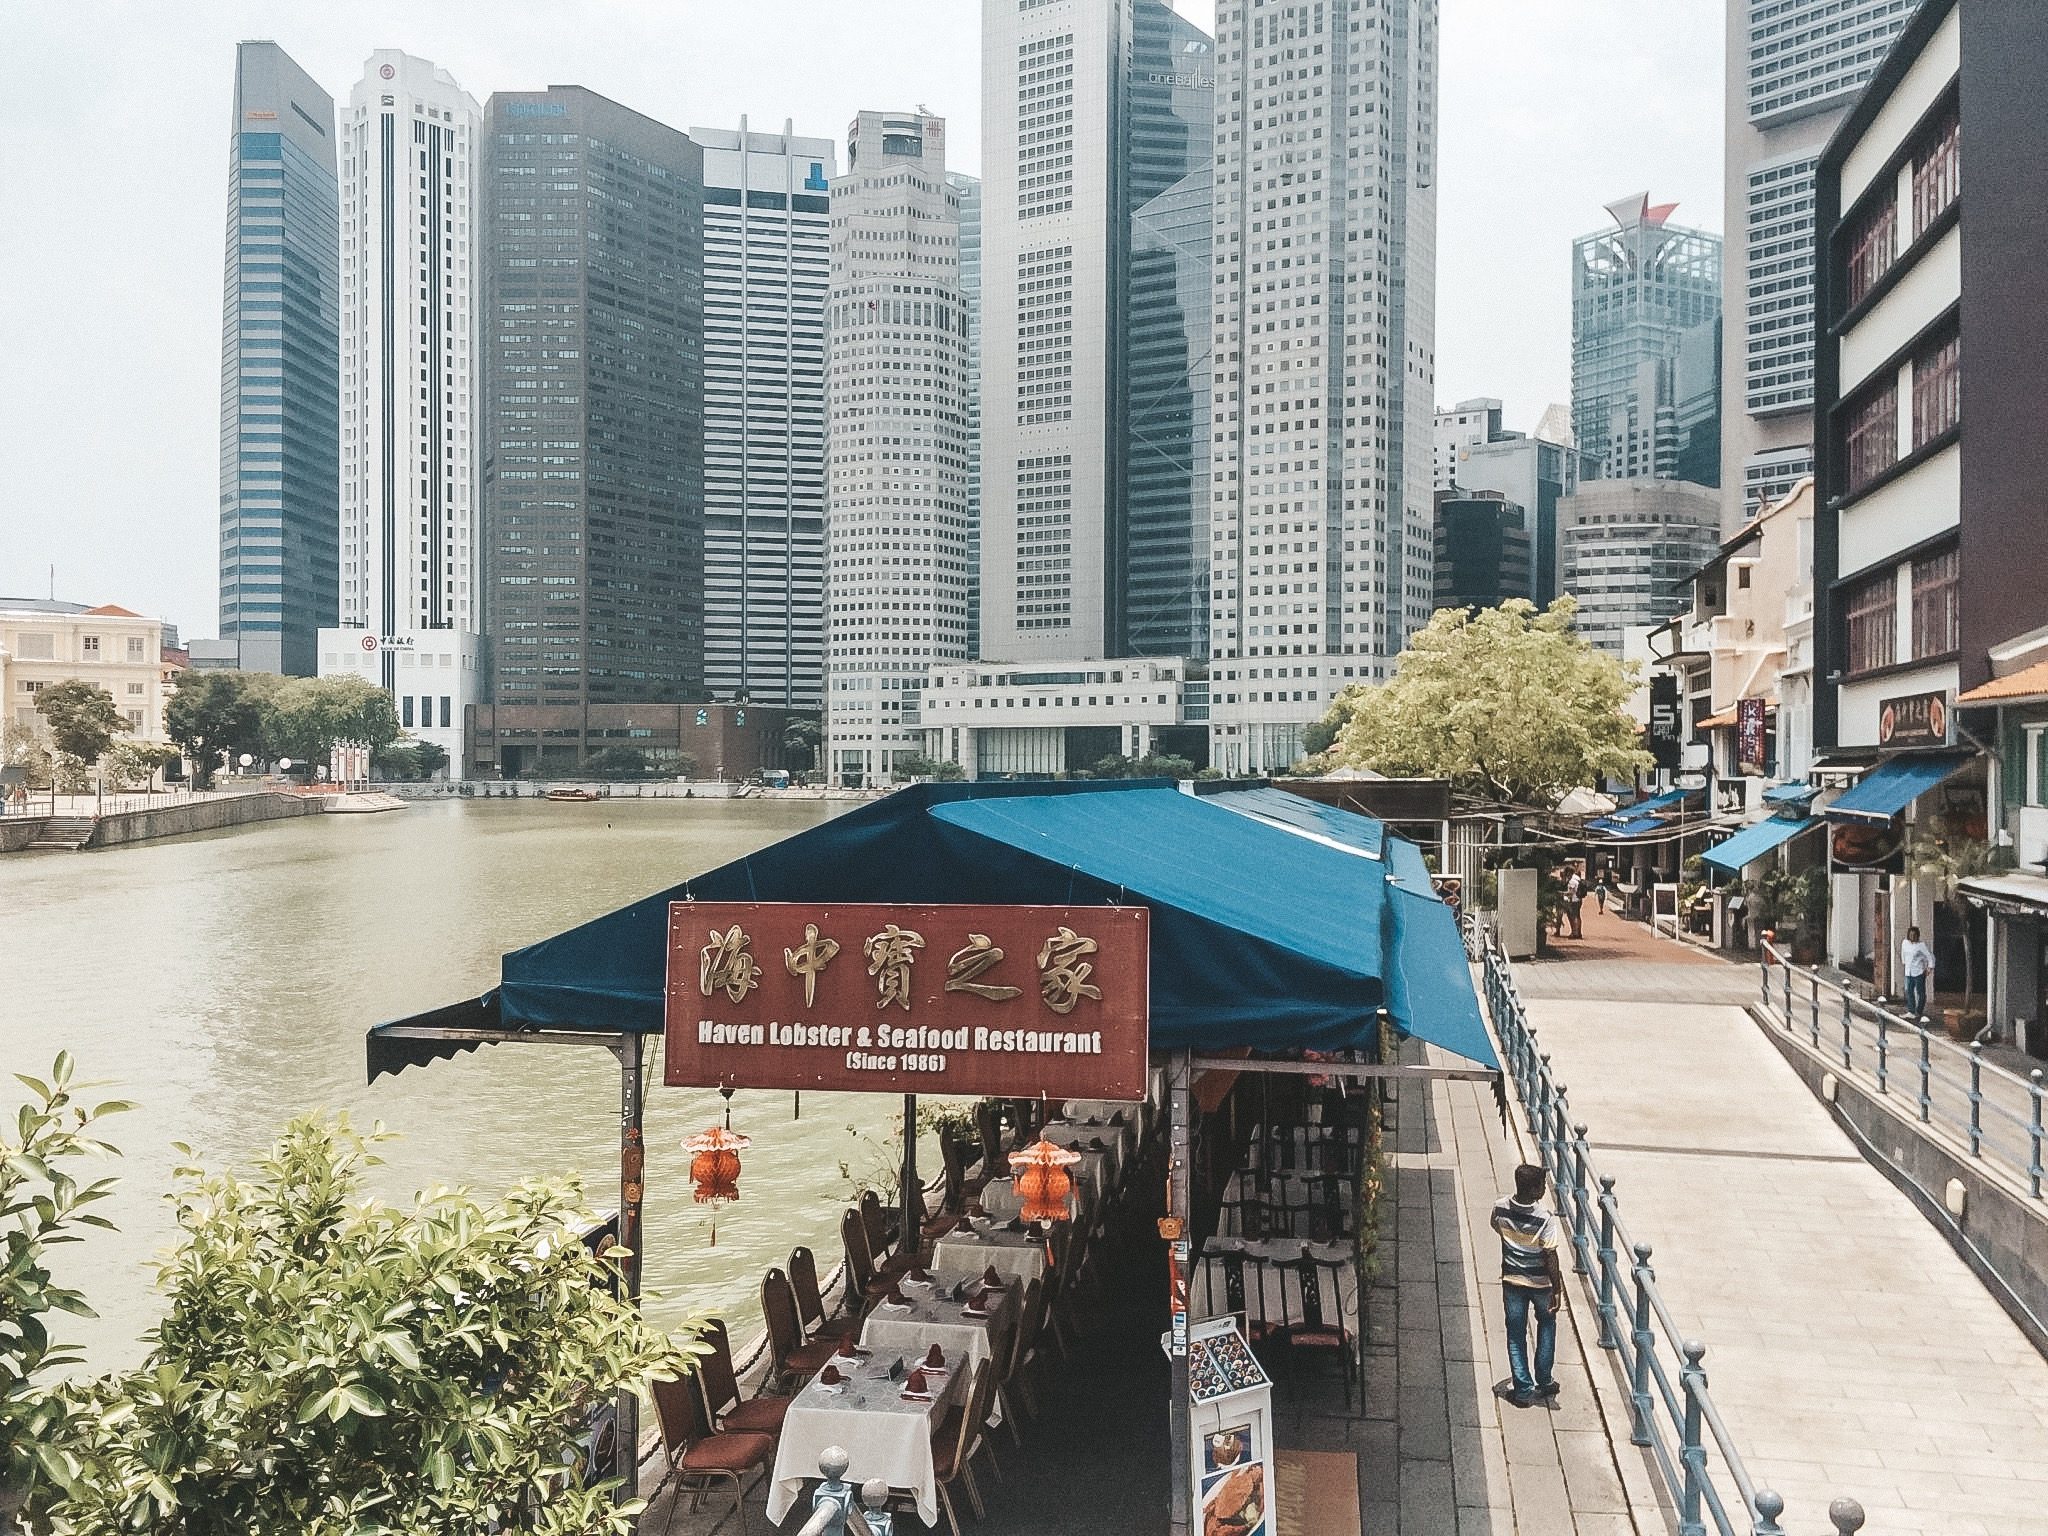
[410, 572]
[1323, 360]
[896, 523]
[43, 643]
[767, 253]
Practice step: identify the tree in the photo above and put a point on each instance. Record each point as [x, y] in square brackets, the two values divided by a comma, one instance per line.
[331, 1365]
[433, 757]
[131, 764]
[1506, 702]
[309, 715]
[41, 1205]
[800, 738]
[21, 747]
[82, 717]
[618, 763]
[214, 712]
[1153, 765]
[1945, 860]
[918, 766]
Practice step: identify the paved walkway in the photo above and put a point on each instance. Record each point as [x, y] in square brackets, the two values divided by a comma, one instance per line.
[1441, 1453]
[1850, 1351]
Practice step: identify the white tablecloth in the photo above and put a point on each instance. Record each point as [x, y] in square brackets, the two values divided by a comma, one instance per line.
[933, 1317]
[883, 1436]
[1000, 1199]
[1117, 1140]
[965, 1253]
[1290, 1191]
[1280, 1298]
[1100, 1109]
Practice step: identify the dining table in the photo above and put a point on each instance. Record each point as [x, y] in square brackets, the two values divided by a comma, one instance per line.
[973, 1248]
[1272, 1291]
[931, 1314]
[883, 1434]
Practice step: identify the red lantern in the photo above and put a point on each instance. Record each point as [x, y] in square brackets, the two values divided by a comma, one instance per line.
[715, 1168]
[1041, 1180]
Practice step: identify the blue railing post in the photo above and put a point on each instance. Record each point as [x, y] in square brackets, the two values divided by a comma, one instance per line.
[1579, 1222]
[1848, 1019]
[1926, 1069]
[1644, 1341]
[1763, 957]
[1768, 1507]
[1692, 1452]
[1976, 1098]
[1608, 1339]
[1788, 999]
[2034, 1169]
[1883, 1042]
[1813, 1010]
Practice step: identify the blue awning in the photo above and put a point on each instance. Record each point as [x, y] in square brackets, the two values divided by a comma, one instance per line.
[1262, 938]
[1313, 817]
[1893, 785]
[1632, 820]
[1756, 840]
[1790, 794]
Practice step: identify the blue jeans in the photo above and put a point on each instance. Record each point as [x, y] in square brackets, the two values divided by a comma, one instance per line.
[1916, 996]
[1521, 1301]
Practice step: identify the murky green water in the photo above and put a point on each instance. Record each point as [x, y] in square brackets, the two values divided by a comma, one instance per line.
[224, 983]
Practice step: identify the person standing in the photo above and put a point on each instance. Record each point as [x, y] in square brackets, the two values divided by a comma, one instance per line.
[1531, 1282]
[1575, 898]
[1916, 964]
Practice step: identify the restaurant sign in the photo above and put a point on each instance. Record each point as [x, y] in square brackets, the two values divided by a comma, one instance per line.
[1007, 1001]
[1913, 720]
[1752, 727]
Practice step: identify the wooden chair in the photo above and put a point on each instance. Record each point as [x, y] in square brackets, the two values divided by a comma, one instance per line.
[1010, 1388]
[1316, 1331]
[789, 1356]
[863, 1282]
[958, 1439]
[1258, 1327]
[880, 1228]
[700, 1458]
[721, 1388]
[956, 1155]
[1030, 1334]
[810, 1297]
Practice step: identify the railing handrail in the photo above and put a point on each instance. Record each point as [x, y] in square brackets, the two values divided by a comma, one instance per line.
[1629, 1304]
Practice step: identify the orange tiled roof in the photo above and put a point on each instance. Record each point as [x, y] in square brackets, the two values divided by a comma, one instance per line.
[114, 611]
[1726, 717]
[2028, 683]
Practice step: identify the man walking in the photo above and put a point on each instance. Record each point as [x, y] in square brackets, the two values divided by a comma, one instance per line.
[1916, 963]
[1575, 898]
[1531, 1280]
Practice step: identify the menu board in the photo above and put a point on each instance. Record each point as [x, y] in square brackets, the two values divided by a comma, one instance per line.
[1231, 1420]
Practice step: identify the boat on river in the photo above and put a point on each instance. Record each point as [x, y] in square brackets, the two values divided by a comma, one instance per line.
[572, 794]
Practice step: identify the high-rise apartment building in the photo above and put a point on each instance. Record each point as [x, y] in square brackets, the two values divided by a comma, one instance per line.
[968, 189]
[1629, 547]
[280, 461]
[592, 423]
[410, 586]
[1097, 122]
[1460, 428]
[896, 521]
[1646, 309]
[1793, 68]
[767, 251]
[1483, 551]
[1323, 355]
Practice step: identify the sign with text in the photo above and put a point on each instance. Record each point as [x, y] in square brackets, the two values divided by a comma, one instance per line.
[1751, 728]
[1913, 720]
[1012, 1002]
[1664, 720]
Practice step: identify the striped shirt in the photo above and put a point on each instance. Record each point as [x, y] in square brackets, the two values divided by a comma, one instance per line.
[1527, 1233]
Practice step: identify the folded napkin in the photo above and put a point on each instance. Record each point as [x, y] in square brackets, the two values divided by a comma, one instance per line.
[915, 1382]
[935, 1358]
[919, 1276]
[830, 1376]
[896, 1298]
[990, 1280]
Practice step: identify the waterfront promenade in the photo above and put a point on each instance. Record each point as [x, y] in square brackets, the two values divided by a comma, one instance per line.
[1849, 1349]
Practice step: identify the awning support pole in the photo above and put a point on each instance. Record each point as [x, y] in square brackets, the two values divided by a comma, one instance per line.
[1180, 1210]
[909, 1240]
[632, 1187]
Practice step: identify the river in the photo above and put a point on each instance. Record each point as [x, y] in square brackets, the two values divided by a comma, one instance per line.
[223, 983]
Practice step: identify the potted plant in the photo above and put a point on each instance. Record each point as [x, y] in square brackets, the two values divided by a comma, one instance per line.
[1945, 859]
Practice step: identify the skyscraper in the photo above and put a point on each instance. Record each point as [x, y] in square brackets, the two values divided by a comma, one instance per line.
[1158, 583]
[1096, 125]
[1793, 68]
[409, 548]
[280, 458]
[767, 241]
[1323, 350]
[1646, 307]
[969, 190]
[592, 421]
[896, 504]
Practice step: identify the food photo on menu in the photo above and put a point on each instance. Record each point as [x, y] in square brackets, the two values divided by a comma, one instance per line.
[1234, 1501]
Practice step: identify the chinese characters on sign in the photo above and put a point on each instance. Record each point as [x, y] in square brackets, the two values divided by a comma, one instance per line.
[1028, 1001]
[1752, 727]
[1913, 720]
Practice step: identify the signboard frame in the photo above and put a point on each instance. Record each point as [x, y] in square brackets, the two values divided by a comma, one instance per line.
[1004, 1001]
[1915, 720]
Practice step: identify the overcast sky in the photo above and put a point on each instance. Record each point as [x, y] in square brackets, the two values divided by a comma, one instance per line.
[118, 114]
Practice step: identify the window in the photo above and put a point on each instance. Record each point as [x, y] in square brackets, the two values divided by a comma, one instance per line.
[1870, 434]
[1872, 243]
[135, 690]
[1937, 171]
[405, 707]
[1937, 388]
[135, 720]
[36, 647]
[1871, 608]
[92, 647]
[1937, 616]
[135, 647]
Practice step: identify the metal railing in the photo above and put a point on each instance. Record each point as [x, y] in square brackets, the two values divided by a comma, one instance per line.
[833, 1511]
[1993, 1112]
[1671, 1412]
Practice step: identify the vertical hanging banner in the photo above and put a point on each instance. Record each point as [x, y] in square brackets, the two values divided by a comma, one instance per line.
[1005, 1001]
[1751, 727]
